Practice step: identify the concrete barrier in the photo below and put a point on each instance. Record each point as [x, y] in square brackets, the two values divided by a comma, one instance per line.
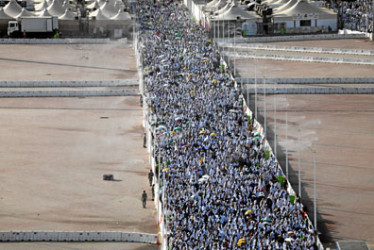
[255, 46]
[310, 80]
[75, 93]
[313, 91]
[62, 41]
[79, 236]
[306, 37]
[109, 83]
[299, 58]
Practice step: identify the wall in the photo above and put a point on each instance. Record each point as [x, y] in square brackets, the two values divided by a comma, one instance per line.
[28, 84]
[78, 236]
[68, 93]
[298, 38]
[62, 41]
[322, 80]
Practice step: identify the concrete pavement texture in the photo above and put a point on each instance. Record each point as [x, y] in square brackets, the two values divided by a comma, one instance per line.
[67, 62]
[54, 154]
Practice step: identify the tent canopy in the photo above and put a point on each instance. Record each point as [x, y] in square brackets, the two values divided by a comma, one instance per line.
[302, 8]
[12, 9]
[121, 15]
[3, 15]
[68, 15]
[233, 12]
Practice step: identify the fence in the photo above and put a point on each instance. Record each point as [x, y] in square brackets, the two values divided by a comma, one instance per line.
[31, 84]
[78, 236]
[69, 93]
[62, 41]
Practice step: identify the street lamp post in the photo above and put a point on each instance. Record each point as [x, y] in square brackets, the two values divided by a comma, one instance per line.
[299, 163]
[235, 49]
[315, 191]
[286, 145]
[275, 122]
[255, 88]
[264, 109]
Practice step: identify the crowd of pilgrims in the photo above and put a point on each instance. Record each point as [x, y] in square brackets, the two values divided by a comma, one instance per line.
[356, 15]
[220, 187]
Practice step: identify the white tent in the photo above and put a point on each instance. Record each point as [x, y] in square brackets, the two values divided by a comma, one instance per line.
[41, 6]
[24, 12]
[304, 17]
[224, 9]
[12, 9]
[109, 10]
[122, 15]
[215, 5]
[98, 15]
[3, 15]
[56, 8]
[276, 3]
[101, 2]
[234, 12]
[288, 5]
[43, 13]
[228, 21]
[93, 5]
[68, 15]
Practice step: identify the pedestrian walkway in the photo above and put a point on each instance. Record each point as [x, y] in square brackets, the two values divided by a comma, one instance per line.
[221, 187]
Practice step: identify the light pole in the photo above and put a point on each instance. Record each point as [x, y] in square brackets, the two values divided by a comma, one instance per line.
[286, 145]
[235, 49]
[214, 31]
[298, 162]
[218, 28]
[275, 122]
[315, 191]
[255, 87]
[264, 108]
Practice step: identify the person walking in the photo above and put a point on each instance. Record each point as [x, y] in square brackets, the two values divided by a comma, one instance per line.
[144, 199]
[150, 177]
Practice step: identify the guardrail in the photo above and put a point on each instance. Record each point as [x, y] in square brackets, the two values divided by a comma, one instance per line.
[311, 80]
[254, 46]
[314, 91]
[27, 84]
[61, 41]
[77, 236]
[72, 93]
[300, 58]
[293, 38]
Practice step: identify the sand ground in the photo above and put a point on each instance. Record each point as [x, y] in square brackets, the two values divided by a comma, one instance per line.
[75, 137]
[291, 69]
[54, 154]
[55, 150]
[339, 128]
[67, 62]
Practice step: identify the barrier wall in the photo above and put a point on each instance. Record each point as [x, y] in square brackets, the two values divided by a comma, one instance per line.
[111, 83]
[293, 38]
[62, 41]
[300, 58]
[314, 91]
[75, 93]
[79, 236]
[320, 80]
[240, 47]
